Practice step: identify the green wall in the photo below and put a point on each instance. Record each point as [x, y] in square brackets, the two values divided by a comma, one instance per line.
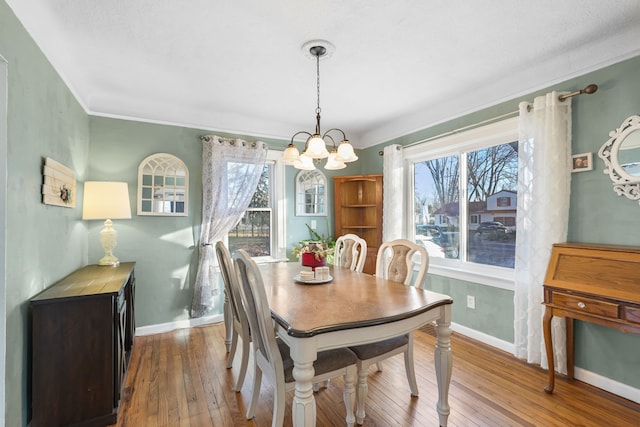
[164, 248]
[43, 243]
[597, 215]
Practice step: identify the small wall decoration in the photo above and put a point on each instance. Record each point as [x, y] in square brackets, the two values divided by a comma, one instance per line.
[59, 186]
[582, 162]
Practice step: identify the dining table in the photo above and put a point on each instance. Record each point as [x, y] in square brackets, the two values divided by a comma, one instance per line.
[348, 309]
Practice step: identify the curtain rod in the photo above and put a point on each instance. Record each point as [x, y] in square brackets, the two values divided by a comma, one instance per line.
[592, 88]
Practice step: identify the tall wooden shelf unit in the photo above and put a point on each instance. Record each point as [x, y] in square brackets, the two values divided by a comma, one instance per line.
[358, 210]
[83, 331]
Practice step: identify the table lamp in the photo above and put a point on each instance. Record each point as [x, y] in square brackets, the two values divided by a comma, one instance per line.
[106, 200]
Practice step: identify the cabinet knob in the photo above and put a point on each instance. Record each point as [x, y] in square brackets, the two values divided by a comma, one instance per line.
[581, 305]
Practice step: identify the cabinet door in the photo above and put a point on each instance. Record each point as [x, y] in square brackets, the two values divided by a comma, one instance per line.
[130, 295]
[73, 361]
[120, 365]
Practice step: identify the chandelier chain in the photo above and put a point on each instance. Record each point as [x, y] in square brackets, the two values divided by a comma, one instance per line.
[318, 81]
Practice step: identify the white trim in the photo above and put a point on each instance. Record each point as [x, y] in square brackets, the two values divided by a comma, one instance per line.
[279, 207]
[464, 141]
[608, 384]
[484, 338]
[482, 276]
[4, 70]
[470, 140]
[596, 380]
[180, 324]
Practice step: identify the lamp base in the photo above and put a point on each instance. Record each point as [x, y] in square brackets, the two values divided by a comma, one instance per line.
[109, 261]
[108, 236]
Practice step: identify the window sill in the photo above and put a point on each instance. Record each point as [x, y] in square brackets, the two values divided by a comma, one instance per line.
[269, 260]
[502, 278]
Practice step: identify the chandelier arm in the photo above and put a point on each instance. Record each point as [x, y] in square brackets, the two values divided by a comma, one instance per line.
[333, 141]
[339, 130]
[298, 133]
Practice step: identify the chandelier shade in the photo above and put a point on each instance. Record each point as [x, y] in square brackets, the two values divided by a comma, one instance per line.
[315, 147]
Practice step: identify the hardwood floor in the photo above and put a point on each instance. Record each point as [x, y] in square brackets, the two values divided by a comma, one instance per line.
[179, 379]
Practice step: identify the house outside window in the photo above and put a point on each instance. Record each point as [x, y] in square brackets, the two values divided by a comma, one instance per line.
[477, 230]
[260, 231]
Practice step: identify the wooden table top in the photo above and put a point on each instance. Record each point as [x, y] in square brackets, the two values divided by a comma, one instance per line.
[351, 300]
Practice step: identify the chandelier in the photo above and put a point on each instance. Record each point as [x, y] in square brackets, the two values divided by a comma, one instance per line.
[315, 148]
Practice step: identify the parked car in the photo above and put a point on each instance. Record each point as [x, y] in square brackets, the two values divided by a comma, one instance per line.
[428, 230]
[433, 249]
[494, 229]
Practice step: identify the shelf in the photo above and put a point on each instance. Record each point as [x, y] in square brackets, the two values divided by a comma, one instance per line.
[358, 210]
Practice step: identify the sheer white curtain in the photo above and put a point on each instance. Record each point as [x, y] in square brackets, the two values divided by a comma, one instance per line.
[230, 173]
[393, 217]
[544, 181]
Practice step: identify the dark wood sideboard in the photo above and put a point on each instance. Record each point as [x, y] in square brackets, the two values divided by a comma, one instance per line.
[83, 331]
[593, 283]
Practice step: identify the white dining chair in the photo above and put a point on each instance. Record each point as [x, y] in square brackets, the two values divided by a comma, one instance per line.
[395, 261]
[350, 252]
[240, 323]
[271, 355]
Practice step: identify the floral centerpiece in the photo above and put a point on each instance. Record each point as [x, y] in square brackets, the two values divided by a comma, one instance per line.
[316, 251]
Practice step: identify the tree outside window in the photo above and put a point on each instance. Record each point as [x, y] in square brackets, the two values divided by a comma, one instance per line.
[254, 231]
[485, 221]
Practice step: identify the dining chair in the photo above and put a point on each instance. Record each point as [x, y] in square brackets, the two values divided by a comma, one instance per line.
[271, 355]
[239, 321]
[395, 261]
[351, 252]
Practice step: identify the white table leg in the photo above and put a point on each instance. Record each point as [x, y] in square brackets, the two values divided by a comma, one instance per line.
[304, 403]
[442, 360]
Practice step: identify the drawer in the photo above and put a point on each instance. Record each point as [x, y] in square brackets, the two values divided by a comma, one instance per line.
[632, 314]
[586, 305]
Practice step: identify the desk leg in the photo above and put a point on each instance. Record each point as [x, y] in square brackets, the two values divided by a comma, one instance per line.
[548, 343]
[442, 360]
[304, 404]
[570, 348]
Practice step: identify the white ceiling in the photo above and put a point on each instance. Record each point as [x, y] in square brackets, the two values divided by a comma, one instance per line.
[399, 65]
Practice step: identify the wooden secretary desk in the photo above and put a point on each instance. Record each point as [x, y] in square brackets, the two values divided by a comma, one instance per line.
[83, 330]
[593, 283]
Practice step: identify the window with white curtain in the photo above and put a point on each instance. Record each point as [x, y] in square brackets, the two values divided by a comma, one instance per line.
[260, 231]
[463, 190]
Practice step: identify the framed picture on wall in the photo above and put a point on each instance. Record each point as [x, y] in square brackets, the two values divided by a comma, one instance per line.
[582, 162]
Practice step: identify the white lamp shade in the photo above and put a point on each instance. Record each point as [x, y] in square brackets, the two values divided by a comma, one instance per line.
[106, 200]
[333, 163]
[290, 155]
[304, 162]
[316, 148]
[346, 153]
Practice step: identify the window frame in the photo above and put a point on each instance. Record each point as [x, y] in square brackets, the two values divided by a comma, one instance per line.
[277, 195]
[456, 144]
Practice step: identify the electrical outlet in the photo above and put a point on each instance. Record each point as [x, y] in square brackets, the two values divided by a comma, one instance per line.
[313, 224]
[471, 301]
